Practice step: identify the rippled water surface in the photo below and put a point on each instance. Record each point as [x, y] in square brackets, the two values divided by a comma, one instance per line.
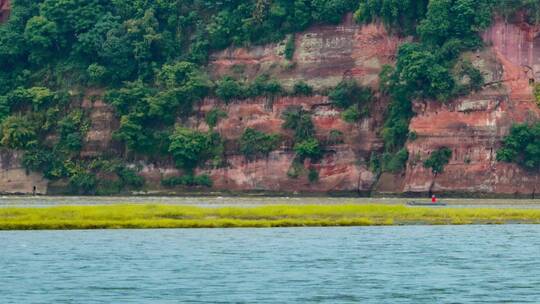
[411, 264]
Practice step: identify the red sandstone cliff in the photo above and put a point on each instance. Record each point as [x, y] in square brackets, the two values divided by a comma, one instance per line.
[472, 126]
[324, 56]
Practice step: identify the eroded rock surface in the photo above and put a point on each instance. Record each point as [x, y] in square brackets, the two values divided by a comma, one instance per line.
[323, 56]
[343, 168]
[473, 126]
[102, 124]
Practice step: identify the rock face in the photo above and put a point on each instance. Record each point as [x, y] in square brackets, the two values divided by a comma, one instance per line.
[102, 124]
[343, 168]
[14, 179]
[517, 46]
[472, 126]
[4, 10]
[323, 56]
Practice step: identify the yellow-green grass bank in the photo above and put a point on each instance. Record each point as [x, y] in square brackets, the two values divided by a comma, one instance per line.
[170, 216]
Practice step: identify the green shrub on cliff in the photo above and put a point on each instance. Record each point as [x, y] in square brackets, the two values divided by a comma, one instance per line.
[182, 85]
[228, 89]
[348, 93]
[351, 115]
[72, 128]
[309, 148]
[301, 88]
[529, 8]
[264, 85]
[438, 160]
[213, 116]
[81, 181]
[148, 113]
[297, 119]
[290, 47]
[253, 143]
[537, 94]
[18, 132]
[400, 16]
[191, 148]
[522, 146]
[395, 162]
[455, 19]
[129, 177]
[96, 74]
[352, 97]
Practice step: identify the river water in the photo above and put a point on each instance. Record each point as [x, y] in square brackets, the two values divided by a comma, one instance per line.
[404, 264]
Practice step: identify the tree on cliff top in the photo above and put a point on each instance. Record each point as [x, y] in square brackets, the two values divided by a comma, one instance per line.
[398, 15]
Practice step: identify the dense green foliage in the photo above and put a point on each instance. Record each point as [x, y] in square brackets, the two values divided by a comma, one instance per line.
[191, 148]
[395, 163]
[530, 8]
[306, 145]
[522, 146]
[348, 93]
[290, 48]
[147, 114]
[299, 120]
[438, 160]
[18, 133]
[71, 129]
[302, 89]
[351, 115]
[228, 88]
[309, 148]
[213, 116]
[352, 97]
[103, 41]
[256, 143]
[399, 15]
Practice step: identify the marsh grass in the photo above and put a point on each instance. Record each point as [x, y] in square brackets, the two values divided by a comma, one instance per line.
[168, 216]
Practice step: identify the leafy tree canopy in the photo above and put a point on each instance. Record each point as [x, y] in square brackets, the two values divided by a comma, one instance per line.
[522, 146]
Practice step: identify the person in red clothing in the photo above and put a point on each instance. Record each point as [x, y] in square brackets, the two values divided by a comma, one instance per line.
[434, 199]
